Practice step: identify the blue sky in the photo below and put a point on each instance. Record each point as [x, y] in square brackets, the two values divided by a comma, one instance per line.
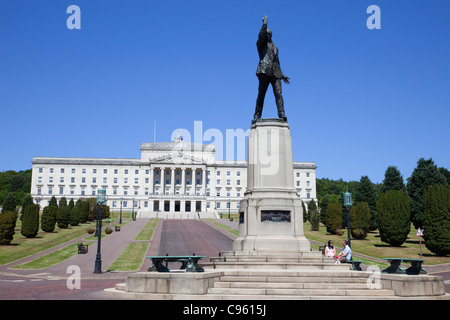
[359, 99]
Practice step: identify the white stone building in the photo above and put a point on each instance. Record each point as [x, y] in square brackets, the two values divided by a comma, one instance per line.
[169, 177]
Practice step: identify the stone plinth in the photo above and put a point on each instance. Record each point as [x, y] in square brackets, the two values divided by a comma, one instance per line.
[271, 216]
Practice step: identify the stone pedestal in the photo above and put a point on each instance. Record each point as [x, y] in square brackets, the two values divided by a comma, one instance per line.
[271, 216]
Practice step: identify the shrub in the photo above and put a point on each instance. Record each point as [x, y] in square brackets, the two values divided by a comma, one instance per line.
[333, 217]
[74, 216]
[30, 221]
[83, 212]
[48, 218]
[7, 225]
[436, 219]
[393, 211]
[63, 217]
[9, 204]
[360, 220]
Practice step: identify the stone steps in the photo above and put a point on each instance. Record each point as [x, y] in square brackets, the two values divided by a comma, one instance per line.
[295, 284]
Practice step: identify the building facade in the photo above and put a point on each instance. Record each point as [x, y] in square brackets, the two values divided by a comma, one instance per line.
[169, 177]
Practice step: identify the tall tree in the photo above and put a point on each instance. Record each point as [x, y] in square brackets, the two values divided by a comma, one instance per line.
[30, 221]
[436, 219]
[424, 175]
[393, 180]
[9, 205]
[365, 192]
[393, 211]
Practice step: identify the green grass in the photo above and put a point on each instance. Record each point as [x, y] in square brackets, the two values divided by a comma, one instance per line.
[131, 258]
[225, 227]
[22, 247]
[50, 259]
[372, 246]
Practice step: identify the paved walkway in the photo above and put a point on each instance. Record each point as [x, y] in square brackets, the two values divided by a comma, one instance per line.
[111, 247]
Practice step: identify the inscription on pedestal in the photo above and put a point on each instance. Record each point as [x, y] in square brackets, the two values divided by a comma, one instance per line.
[275, 216]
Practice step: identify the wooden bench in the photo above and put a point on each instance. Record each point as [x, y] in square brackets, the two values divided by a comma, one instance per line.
[82, 248]
[395, 267]
[188, 263]
[356, 265]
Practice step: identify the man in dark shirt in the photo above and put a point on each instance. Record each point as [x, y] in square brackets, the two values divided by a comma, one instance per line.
[269, 72]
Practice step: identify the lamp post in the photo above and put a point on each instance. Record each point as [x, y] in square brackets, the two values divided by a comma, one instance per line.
[120, 220]
[348, 204]
[101, 200]
[132, 211]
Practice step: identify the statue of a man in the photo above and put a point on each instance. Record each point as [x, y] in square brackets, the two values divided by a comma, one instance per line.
[269, 72]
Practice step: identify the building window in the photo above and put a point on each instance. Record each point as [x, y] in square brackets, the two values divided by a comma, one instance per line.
[308, 195]
[62, 170]
[39, 191]
[72, 180]
[116, 171]
[83, 191]
[298, 183]
[94, 170]
[83, 171]
[126, 171]
[50, 190]
[40, 170]
[136, 192]
[61, 190]
[61, 180]
[136, 180]
[105, 180]
[51, 170]
[307, 174]
[125, 191]
[73, 170]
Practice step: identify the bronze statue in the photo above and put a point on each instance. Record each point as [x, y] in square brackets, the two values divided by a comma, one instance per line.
[269, 72]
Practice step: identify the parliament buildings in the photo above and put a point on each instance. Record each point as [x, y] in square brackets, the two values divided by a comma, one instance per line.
[170, 177]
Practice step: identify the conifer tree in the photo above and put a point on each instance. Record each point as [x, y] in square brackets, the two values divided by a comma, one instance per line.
[365, 192]
[30, 221]
[48, 218]
[393, 180]
[436, 219]
[393, 212]
[424, 175]
[333, 217]
[7, 225]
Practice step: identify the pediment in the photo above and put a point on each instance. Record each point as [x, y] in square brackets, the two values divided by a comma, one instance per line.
[177, 157]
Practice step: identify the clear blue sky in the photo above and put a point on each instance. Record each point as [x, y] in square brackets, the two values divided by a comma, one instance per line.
[359, 99]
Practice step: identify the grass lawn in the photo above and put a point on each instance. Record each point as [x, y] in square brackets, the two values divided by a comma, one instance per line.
[373, 246]
[131, 258]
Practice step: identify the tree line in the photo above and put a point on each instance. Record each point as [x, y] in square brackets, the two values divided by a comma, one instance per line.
[390, 207]
[60, 214]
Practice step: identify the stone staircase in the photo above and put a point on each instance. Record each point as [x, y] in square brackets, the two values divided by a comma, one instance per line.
[311, 260]
[295, 285]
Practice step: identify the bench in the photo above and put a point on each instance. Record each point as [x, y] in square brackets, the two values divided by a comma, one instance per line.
[395, 267]
[188, 263]
[82, 248]
[356, 265]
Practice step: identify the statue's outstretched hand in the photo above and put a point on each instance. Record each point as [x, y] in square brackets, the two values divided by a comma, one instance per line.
[286, 80]
[265, 20]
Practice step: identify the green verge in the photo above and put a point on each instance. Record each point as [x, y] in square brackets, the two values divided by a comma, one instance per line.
[50, 259]
[131, 258]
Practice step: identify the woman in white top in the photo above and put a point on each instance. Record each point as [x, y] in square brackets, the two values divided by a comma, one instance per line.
[330, 250]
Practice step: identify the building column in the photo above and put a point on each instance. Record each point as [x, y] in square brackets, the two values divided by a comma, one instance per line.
[172, 181]
[152, 182]
[183, 181]
[193, 178]
[162, 177]
[203, 182]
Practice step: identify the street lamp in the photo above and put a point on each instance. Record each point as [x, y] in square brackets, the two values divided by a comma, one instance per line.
[120, 220]
[348, 204]
[101, 200]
